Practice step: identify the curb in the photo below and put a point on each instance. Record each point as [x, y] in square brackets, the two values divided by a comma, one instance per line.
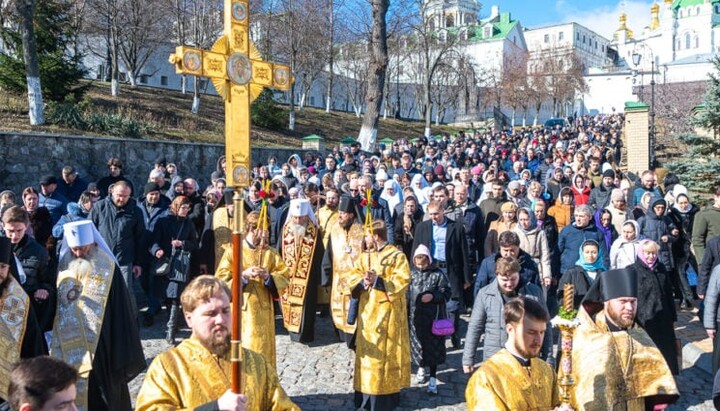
[694, 356]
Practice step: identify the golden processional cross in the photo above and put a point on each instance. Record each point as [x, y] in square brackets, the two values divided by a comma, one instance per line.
[236, 69]
[239, 74]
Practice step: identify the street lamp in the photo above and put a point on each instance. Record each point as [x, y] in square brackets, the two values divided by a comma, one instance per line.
[637, 58]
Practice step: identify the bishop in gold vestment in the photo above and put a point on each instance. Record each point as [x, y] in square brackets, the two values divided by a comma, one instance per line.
[258, 309]
[382, 355]
[503, 384]
[188, 376]
[302, 251]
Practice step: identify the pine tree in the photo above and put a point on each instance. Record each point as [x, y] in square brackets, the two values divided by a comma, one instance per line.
[699, 167]
[60, 72]
[710, 117]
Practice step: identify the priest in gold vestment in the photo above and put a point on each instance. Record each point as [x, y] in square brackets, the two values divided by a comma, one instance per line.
[327, 216]
[514, 378]
[343, 249]
[265, 276]
[379, 279]
[20, 333]
[217, 235]
[615, 363]
[302, 250]
[196, 374]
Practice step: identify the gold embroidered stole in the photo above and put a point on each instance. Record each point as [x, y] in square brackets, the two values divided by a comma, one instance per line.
[346, 248]
[14, 310]
[299, 258]
[79, 319]
[222, 231]
[326, 220]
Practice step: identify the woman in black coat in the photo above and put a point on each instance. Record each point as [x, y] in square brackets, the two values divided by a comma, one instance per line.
[682, 213]
[427, 296]
[656, 306]
[405, 227]
[174, 234]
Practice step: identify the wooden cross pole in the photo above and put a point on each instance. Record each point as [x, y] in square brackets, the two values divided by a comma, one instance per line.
[239, 74]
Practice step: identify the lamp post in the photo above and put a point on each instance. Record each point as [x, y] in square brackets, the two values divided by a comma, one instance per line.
[637, 58]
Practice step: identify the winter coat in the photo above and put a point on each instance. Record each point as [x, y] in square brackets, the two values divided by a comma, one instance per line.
[654, 227]
[490, 208]
[709, 261]
[656, 309]
[75, 212]
[600, 197]
[570, 240]
[455, 252]
[493, 235]
[705, 227]
[487, 319]
[711, 316]
[72, 192]
[536, 245]
[56, 204]
[122, 228]
[425, 347]
[34, 259]
[623, 253]
[529, 272]
[581, 195]
[169, 228]
[471, 220]
[402, 240]
[578, 277]
[562, 213]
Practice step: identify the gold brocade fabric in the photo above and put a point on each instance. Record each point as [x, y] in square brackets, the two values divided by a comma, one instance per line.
[382, 355]
[605, 379]
[298, 257]
[501, 383]
[326, 221]
[346, 248]
[188, 376]
[258, 310]
[222, 231]
[14, 309]
[81, 302]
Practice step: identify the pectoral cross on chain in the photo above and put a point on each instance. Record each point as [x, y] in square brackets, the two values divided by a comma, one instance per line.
[239, 74]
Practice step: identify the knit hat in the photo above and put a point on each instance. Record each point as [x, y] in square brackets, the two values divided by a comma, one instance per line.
[150, 187]
[608, 173]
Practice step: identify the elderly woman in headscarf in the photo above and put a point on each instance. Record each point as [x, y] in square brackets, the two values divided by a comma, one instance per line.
[623, 251]
[506, 222]
[421, 188]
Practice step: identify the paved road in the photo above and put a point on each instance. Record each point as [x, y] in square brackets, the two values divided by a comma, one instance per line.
[319, 376]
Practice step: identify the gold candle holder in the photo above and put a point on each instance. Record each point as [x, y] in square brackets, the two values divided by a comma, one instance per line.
[567, 323]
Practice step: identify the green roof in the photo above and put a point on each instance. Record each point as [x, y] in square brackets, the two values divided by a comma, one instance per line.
[636, 106]
[386, 140]
[690, 3]
[501, 29]
[312, 137]
[347, 140]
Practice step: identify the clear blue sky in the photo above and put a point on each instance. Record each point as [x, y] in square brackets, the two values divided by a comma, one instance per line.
[599, 15]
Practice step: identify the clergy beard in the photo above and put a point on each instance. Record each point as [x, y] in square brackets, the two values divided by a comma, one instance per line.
[617, 318]
[219, 342]
[298, 230]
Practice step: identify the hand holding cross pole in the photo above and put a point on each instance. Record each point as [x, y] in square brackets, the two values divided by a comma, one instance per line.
[239, 75]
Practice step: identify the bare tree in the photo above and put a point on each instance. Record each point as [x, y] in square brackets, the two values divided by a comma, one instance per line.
[103, 21]
[26, 10]
[515, 82]
[444, 90]
[145, 26]
[352, 70]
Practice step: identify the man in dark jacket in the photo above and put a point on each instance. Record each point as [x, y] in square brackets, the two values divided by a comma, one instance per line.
[451, 255]
[51, 199]
[469, 216]
[153, 206]
[600, 196]
[490, 207]
[572, 237]
[121, 224]
[115, 167]
[711, 258]
[509, 247]
[71, 186]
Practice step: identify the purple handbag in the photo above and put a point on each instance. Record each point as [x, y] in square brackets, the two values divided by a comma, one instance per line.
[442, 326]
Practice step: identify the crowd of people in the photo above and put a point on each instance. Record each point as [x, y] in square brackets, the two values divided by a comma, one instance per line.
[395, 246]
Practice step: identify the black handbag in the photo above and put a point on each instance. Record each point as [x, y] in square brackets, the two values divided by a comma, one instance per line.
[161, 266]
[179, 266]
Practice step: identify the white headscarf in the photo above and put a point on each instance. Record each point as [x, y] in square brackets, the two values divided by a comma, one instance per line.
[421, 193]
[395, 199]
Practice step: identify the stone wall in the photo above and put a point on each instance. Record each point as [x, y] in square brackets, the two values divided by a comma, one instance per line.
[25, 158]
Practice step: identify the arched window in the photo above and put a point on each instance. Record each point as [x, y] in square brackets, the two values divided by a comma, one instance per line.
[687, 40]
[717, 9]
